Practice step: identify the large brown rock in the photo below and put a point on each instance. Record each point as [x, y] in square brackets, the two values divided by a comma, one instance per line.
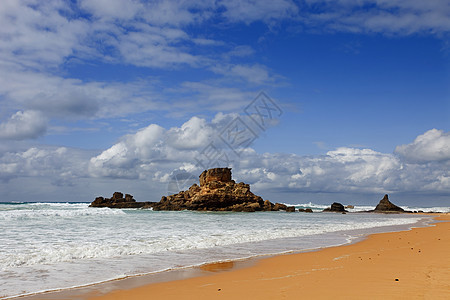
[118, 201]
[217, 192]
[387, 206]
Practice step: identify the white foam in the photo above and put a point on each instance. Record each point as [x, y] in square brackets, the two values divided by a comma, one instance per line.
[48, 246]
[37, 214]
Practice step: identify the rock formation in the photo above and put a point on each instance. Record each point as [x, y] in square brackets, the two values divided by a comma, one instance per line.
[217, 192]
[387, 206]
[335, 207]
[118, 201]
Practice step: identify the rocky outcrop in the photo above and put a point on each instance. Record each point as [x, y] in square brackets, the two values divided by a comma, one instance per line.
[217, 192]
[119, 201]
[307, 210]
[335, 207]
[387, 206]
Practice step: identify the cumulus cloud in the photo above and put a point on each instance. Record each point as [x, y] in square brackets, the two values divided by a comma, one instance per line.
[23, 125]
[433, 145]
[152, 149]
[152, 154]
[155, 150]
[61, 165]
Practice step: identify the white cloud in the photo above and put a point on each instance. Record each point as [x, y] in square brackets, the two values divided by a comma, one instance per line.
[381, 16]
[193, 134]
[152, 154]
[156, 150]
[37, 40]
[61, 165]
[258, 10]
[115, 9]
[23, 125]
[240, 51]
[433, 145]
[216, 96]
[60, 98]
[36, 34]
[256, 73]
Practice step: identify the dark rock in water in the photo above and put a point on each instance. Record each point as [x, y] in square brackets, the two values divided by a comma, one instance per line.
[335, 207]
[217, 192]
[118, 201]
[387, 206]
[307, 210]
[290, 209]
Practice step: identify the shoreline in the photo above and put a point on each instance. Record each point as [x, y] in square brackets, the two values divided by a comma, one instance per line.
[177, 276]
[411, 264]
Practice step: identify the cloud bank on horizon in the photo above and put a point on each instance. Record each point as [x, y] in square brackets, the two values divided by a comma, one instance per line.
[107, 95]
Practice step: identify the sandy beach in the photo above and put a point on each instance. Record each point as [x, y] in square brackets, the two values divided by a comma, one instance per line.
[411, 264]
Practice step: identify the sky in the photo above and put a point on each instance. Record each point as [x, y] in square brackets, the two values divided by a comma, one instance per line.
[307, 101]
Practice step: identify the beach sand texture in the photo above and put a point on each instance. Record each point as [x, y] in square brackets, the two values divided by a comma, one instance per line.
[411, 264]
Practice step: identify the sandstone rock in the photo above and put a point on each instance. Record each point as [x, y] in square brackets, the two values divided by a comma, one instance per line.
[217, 174]
[267, 206]
[335, 207]
[279, 206]
[350, 206]
[387, 206]
[307, 210]
[217, 192]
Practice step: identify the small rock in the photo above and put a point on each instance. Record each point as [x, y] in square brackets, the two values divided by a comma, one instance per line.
[335, 207]
[290, 209]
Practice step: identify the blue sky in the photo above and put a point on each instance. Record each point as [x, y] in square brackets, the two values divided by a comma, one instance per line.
[104, 96]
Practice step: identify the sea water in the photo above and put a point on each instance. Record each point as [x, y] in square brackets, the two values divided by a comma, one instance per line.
[47, 246]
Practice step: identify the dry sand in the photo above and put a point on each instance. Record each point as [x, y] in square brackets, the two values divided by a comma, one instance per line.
[411, 264]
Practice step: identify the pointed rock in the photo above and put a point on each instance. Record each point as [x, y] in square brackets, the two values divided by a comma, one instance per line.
[386, 205]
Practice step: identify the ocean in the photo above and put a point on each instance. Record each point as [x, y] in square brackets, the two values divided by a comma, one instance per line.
[49, 246]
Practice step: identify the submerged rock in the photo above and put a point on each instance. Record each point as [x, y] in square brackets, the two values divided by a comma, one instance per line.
[335, 207]
[387, 206]
[217, 192]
